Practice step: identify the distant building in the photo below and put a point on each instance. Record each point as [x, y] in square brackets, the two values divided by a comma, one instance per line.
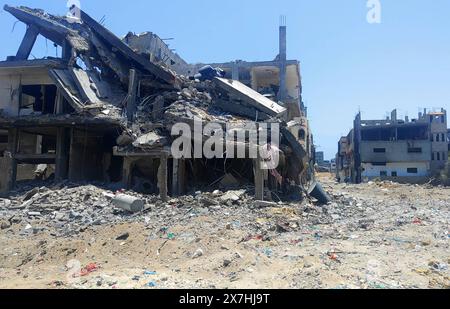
[333, 166]
[320, 158]
[394, 149]
[448, 139]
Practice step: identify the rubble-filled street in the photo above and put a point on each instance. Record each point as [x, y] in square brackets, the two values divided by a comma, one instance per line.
[124, 165]
[376, 235]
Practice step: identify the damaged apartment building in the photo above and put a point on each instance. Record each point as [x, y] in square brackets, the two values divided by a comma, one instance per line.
[394, 149]
[104, 110]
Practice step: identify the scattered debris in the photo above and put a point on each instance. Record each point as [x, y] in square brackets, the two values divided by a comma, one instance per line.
[198, 253]
[152, 284]
[5, 225]
[129, 203]
[290, 241]
[123, 236]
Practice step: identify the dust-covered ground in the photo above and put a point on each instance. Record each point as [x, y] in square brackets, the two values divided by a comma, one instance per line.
[376, 235]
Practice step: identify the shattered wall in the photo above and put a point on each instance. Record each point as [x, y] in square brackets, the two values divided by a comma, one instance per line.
[155, 49]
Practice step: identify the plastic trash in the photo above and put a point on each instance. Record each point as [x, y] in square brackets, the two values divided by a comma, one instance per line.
[90, 268]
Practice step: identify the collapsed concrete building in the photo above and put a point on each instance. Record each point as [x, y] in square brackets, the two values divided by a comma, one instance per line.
[104, 111]
[394, 149]
[278, 79]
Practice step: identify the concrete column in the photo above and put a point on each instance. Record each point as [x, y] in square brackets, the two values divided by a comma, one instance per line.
[62, 154]
[27, 43]
[127, 171]
[175, 166]
[182, 176]
[59, 108]
[357, 170]
[5, 175]
[132, 94]
[178, 175]
[13, 138]
[282, 94]
[72, 154]
[162, 177]
[67, 50]
[259, 180]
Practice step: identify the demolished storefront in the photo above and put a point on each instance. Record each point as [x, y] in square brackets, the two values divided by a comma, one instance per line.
[105, 112]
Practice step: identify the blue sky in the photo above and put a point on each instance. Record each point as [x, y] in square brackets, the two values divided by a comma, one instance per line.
[347, 63]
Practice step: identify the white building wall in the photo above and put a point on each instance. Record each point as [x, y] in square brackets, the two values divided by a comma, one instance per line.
[10, 82]
[370, 171]
[9, 95]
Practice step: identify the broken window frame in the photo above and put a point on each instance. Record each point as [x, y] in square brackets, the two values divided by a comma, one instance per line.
[45, 88]
[379, 150]
[415, 150]
[412, 170]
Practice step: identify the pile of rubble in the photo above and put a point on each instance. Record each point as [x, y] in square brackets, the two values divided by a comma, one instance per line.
[229, 239]
[68, 209]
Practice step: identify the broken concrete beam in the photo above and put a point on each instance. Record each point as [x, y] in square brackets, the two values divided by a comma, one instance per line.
[65, 83]
[128, 203]
[120, 68]
[50, 28]
[265, 204]
[241, 110]
[52, 31]
[133, 85]
[85, 86]
[30, 194]
[27, 43]
[127, 52]
[250, 97]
